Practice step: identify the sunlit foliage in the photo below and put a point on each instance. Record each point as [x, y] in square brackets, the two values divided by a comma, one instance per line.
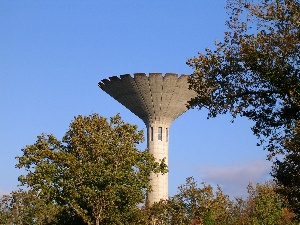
[96, 171]
[203, 205]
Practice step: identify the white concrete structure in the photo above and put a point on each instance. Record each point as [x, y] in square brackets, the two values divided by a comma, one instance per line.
[158, 100]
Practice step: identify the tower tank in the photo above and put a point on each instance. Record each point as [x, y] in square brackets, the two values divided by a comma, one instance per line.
[157, 100]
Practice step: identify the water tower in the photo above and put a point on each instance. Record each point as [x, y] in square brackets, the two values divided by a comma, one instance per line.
[158, 100]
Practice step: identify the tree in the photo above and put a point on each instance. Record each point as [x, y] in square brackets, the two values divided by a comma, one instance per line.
[96, 170]
[255, 72]
[25, 207]
[193, 205]
[287, 171]
[168, 211]
[265, 206]
[203, 205]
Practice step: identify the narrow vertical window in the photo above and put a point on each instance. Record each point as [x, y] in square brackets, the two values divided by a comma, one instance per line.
[151, 133]
[167, 135]
[160, 133]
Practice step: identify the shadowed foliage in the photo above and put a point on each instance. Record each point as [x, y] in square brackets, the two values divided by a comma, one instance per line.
[255, 72]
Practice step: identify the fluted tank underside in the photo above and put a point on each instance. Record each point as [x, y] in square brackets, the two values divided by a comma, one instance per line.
[152, 98]
[158, 100]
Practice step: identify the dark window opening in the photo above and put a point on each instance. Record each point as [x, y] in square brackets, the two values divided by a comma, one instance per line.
[151, 133]
[160, 133]
[167, 135]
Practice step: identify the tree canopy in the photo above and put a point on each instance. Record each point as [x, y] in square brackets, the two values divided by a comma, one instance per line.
[255, 72]
[96, 171]
[202, 205]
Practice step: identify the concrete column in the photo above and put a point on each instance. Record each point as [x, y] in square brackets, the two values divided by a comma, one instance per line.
[158, 145]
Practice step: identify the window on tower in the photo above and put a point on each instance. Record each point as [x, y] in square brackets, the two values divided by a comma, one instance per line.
[160, 133]
[151, 133]
[167, 135]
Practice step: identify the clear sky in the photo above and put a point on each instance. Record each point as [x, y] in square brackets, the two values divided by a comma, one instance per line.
[54, 53]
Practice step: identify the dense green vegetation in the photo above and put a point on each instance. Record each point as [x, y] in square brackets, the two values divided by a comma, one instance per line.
[95, 175]
[255, 72]
[201, 205]
[192, 205]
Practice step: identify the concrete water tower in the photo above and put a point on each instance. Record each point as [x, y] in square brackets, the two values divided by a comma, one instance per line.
[158, 100]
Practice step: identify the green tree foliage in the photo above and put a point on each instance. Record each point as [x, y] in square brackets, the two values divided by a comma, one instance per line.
[193, 205]
[203, 205]
[267, 205]
[263, 206]
[255, 72]
[25, 207]
[287, 171]
[168, 211]
[96, 171]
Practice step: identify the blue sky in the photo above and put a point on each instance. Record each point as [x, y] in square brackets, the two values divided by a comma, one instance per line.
[53, 54]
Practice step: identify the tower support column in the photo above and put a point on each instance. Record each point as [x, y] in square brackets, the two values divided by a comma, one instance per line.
[158, 145]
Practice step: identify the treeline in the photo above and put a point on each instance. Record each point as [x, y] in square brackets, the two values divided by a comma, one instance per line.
[193, 204]
[96, 175]
[203, 205]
